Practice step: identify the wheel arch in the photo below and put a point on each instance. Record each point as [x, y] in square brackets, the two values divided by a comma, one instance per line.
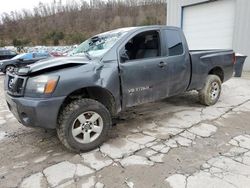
[218, 71]
[97, 93]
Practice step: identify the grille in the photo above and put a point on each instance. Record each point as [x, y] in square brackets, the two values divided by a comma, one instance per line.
[15, 84]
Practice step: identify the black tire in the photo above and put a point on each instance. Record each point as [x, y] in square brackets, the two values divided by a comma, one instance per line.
[208, 95]
[69, 115]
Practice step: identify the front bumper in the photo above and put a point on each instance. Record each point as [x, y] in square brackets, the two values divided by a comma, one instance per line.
[35, 112]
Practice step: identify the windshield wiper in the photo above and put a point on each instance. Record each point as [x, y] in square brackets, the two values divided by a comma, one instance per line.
[86, 53]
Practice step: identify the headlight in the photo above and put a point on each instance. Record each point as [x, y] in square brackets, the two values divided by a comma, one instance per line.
[1, 64]
[41, 84]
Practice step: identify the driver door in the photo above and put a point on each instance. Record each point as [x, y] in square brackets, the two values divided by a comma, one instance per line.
[143, 72]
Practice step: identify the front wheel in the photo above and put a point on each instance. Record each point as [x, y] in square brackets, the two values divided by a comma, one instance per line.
[211, 91]
[83, 125]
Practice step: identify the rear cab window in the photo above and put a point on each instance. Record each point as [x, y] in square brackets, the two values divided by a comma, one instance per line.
[174, 42]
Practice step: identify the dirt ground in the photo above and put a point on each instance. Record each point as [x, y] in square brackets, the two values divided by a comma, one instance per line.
[174, 143]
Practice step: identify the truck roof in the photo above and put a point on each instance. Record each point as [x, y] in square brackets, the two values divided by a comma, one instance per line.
[139, 27]
[152, 26]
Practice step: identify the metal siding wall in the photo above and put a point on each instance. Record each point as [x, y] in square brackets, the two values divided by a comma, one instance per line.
[174, 13]
[174, 10]
[241, 40]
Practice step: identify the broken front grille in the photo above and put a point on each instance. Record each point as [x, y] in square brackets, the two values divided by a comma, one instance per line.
[15, 84]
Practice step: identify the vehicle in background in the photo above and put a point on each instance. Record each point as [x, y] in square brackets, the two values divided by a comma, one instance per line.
[22, 60]
[7, 54]
[79, 95]
[57, 54]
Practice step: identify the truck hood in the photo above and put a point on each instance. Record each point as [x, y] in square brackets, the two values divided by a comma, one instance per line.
[53, 64]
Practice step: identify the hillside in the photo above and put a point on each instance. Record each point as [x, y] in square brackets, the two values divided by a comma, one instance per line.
[57, 23]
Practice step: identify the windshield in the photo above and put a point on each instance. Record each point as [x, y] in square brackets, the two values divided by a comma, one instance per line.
[100, 44]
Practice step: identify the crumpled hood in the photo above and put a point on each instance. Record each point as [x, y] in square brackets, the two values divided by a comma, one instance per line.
[57, 62]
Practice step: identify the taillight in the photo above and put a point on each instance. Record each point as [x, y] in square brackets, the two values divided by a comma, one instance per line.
[234, 58]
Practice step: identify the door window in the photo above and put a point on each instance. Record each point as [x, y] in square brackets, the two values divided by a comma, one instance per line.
[12, 53]
[142, 46]
[4, 52]
[174, 42]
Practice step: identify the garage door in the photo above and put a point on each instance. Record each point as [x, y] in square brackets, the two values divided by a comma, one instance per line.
[209, 25]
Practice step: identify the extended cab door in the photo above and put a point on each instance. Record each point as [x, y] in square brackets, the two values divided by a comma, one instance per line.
[177, 61]
[142, 68]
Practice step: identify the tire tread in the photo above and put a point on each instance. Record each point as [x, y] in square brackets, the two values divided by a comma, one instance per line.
[203, 93]
[65, 115]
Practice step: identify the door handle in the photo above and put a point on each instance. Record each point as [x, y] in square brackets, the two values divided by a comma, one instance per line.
[162, 64]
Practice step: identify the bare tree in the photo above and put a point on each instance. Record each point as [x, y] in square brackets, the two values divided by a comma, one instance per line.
[76, 21]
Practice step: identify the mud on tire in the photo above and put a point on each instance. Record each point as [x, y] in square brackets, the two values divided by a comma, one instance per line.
[211, 91]
[69, 118]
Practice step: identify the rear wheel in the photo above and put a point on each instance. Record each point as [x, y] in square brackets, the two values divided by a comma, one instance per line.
[211, 91]
[83, 125]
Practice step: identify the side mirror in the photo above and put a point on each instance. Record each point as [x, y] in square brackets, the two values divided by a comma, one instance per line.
[124, 56]
[20, 59]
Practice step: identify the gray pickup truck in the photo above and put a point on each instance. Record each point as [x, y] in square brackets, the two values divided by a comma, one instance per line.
[79, 95]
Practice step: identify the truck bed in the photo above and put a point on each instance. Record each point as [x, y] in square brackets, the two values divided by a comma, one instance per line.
[206, 61]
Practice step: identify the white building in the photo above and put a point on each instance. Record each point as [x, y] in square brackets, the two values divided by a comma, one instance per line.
[213, 24]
